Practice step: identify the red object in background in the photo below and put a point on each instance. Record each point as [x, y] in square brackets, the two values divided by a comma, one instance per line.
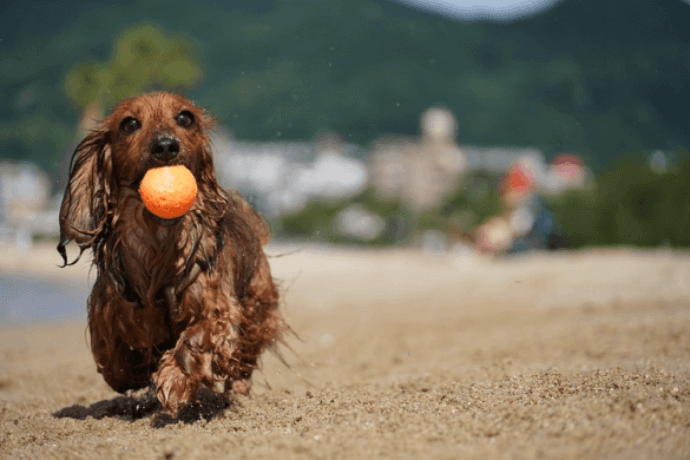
[518, 179]
[567, 159]
[568, 166]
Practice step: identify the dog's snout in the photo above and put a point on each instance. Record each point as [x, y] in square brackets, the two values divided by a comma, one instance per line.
[165, 148]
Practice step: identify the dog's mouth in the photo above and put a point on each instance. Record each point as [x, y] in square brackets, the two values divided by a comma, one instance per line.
[162, 220]
[136, 185]
[154, 164]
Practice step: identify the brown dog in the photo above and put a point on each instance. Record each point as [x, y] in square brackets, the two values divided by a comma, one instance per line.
[179, 303]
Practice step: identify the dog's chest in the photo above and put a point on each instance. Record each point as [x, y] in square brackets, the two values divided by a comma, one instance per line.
[153, 257]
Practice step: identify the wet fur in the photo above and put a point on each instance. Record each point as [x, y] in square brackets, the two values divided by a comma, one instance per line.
[180, 303]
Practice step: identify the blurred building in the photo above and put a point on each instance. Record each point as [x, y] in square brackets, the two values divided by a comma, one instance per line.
[498, 160]
[423, 170]
[419, 171]
[283, 177]
[566, 172]
[26, 209]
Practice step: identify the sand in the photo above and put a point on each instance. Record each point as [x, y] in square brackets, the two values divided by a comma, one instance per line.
[400, 355]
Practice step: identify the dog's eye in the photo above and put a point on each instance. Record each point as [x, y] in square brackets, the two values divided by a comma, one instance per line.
[129, 125]
[185, 119]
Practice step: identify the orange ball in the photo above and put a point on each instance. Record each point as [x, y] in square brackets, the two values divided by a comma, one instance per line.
[168, 192]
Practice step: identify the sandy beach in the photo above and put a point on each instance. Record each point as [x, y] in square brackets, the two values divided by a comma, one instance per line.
[399, 354]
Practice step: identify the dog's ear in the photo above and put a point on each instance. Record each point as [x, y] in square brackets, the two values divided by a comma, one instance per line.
[241, 208]
[207, 172]
[211, 197]
[85, 204]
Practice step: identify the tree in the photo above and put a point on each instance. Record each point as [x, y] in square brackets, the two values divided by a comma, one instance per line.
[143, 58]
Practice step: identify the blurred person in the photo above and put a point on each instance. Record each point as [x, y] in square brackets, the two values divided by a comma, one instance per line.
[493, 237]
[526, 223]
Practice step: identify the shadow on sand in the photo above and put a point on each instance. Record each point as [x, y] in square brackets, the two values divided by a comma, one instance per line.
[207, 405]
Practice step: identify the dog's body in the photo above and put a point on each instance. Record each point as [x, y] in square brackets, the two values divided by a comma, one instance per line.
[180, 303]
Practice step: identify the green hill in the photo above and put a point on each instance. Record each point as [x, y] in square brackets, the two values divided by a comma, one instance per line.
[599, 78]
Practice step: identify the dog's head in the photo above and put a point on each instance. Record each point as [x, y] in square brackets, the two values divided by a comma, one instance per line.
[147, 131]
[157, 129]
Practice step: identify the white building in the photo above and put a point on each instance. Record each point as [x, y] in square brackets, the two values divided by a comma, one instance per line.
[420, 171]
[25, 209]
[285, 176]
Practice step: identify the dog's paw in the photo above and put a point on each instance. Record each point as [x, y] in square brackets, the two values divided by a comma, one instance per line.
[174, 388]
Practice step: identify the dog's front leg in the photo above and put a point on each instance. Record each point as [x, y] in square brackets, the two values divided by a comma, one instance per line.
[193, 362]
[184, 368]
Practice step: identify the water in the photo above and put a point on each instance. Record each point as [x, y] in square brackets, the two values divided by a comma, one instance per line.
[26, 299]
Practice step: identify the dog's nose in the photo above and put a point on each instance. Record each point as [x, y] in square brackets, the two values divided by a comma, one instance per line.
[165, 148]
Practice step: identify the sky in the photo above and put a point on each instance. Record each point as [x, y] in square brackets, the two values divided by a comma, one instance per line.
[495, 10]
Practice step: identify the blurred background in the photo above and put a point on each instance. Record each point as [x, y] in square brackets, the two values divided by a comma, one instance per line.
[483, 127]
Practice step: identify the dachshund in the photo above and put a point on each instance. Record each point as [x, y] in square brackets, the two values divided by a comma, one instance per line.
[178, 304]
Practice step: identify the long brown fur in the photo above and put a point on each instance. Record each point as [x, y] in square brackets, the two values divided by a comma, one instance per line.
[177, 303]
